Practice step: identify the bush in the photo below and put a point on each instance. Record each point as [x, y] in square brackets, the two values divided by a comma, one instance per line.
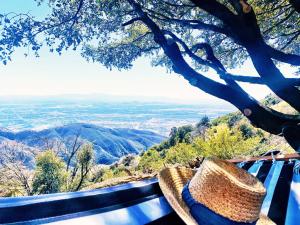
[108, 174]
[271, 100]
[181, 154]
[246, 131]
[225, 143]
[49, 175]
[151, 161]
[230, 119]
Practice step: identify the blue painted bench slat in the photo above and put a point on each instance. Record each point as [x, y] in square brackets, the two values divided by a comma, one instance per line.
[143, 203]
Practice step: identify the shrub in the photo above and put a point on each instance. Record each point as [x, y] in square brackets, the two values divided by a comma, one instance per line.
[230, 119]
[246, 130]
[224, 143]
[151, 161]
[181, 153]
[49, 175]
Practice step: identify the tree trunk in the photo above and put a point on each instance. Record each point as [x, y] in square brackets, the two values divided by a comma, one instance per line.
[273, 77]
[295, 4]
[260, 116]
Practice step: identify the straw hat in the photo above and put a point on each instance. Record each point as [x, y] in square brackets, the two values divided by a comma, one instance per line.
[219, 186]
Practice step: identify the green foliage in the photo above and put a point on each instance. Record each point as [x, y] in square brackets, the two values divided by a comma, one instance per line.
[225, 143]
[85, 158]
[121, 171]
[230, 119]
[119, 46]
[128, 160]
[97, 173]
[184, 146]
[151, 161]
[204, 122]
[126, 166]
[114, 33]
[177, 135]
[164, 145]
[234, 119]
[113, 172]
[181, 153]
[173, 135]
[49, 175]
[183, 134]
[271, 100]
[201, 127]
[220, 141]
[107, 174]
[246, 130]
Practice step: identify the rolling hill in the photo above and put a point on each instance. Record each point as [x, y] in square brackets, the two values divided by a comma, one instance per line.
[109, 144]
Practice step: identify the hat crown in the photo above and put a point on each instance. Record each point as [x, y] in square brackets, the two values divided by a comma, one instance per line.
[228, 190]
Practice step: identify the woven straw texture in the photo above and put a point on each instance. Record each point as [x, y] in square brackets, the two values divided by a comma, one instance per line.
[171, 182]
[228, 190]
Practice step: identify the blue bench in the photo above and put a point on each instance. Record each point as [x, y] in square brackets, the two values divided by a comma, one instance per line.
[143, 203]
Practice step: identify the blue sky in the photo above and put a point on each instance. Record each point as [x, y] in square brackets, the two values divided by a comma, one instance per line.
[52, 74]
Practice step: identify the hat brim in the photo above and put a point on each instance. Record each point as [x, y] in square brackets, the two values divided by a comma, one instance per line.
[172, 180]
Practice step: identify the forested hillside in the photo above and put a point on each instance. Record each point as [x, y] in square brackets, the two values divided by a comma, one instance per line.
[229, 136]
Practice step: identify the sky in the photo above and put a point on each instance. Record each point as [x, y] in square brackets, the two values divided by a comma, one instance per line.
[52, 74]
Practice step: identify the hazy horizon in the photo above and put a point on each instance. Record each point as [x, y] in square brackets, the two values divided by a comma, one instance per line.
[104, 97]
[160, 117]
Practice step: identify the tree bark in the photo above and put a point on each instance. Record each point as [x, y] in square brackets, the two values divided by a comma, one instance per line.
[292, 135]
[295, 4]
[260, 116]
[248, 33]
[271, 76]
[291, 59]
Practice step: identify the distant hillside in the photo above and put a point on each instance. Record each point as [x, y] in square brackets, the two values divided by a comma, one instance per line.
[109, 144]
[237, 124]
[277, 104]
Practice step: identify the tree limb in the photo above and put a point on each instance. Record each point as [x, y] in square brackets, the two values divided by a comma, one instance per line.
[256, 80]
[73, 18]
[295, 4]
[187, 49]
[258, 115]
[246, 28]
[289, 58]
[290, 41]
[194, 24]
[210, 54]
[279, 22]
[77, 12]
[272, 76]
[131, 21]
[177, 5]
[218, 10]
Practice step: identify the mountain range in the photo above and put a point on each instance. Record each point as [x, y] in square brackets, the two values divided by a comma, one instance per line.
[109, 143]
